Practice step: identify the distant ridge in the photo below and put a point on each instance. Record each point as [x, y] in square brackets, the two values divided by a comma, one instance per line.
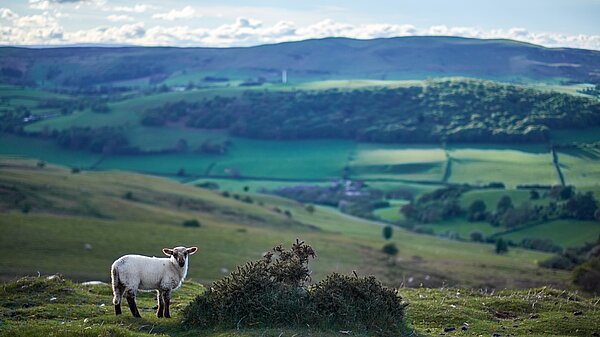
[414, 57]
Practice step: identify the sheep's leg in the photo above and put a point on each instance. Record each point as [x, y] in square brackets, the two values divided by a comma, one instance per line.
[118, 292]
[161, 304]
[167, 301]
[131, 302]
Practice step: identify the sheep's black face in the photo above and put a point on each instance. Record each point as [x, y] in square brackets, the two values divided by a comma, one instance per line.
[180, 254]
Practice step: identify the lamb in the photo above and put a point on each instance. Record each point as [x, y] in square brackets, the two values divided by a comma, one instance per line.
[132, 272]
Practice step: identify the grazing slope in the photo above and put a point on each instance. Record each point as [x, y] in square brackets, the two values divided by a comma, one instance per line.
[53, 214]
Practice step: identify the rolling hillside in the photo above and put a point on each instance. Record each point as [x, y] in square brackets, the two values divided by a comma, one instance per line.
[330, 58]
[55, 214]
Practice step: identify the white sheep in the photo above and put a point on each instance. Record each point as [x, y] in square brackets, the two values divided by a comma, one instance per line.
[131, 273]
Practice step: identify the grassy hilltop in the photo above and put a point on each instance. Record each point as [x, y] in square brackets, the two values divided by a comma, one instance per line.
[36, 306]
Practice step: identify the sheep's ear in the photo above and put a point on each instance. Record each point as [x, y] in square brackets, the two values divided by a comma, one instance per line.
[167, 251]
[192, 250]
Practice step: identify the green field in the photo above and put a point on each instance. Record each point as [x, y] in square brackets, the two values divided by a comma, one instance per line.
[380, 161]
[566, 233]
[510, 165]
[74, 209]
[581, 167]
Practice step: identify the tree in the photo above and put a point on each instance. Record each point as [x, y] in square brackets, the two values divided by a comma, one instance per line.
[582, 206]
[501, 246]
[534, 195]
[477, 210]
[504, 204]
[388, 231]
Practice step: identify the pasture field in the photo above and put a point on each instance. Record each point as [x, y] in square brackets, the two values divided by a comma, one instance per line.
[461, 227]
[491, 197]
[580, 167]
[45, 150]
[391, 214]
[398, 162]
[565, 233]
[74, 209]
[511, 165]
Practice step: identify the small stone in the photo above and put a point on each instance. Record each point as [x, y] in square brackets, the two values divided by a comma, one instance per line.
[595, 334]
[464, 328]
[449, 329]
[52, 299]
[534, 316]
[578, 313]
[495, 334]
[86, 320]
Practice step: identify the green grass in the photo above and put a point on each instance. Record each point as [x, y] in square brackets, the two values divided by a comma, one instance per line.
[580, 167]
[491, 197]
[70, 210]
[511, 165]
[377, 161]
[45, 150]
[565, 233]
[42, 306]
[462, 227]
[392, 213]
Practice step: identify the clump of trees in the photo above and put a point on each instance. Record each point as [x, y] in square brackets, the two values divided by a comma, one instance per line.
[435, 206]
[451, 111]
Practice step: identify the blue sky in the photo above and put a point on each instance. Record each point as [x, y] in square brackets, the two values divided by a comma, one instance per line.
[555, 23]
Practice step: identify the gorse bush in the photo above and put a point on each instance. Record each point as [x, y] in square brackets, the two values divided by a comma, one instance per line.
[274, 292]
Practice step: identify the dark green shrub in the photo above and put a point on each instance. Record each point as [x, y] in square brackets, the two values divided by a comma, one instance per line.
[310, 208]
[26, 208]
[388, 231]
[128, 195]
[557, 262]
[477, 236]
[587, 275]
[248, 199]
[41, 164]
[75, 170]
[360, 302]
[191, 223]
[273, 292]
[225, 194]
[501, 246]
[390, 249]
[208, 185]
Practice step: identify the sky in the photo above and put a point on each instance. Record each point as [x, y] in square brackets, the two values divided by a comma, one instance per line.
[227, 23]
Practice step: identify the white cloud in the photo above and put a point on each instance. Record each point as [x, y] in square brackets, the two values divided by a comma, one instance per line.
[45, 29]
[6, 13]
[186, 12]
[47, 4]
[120, 18]
[138, 8]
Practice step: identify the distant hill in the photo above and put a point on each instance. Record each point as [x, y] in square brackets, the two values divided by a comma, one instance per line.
[330, 58]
